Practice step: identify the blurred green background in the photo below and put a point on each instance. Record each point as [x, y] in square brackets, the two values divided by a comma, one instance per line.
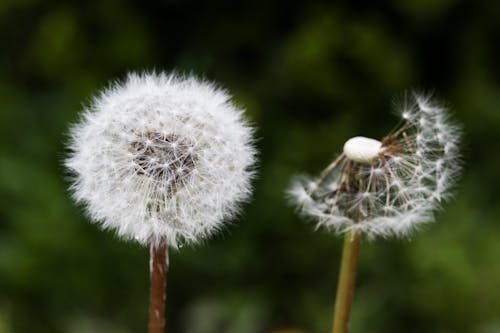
[311, 74]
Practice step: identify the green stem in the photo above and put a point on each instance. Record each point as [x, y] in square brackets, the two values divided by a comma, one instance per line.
[347, 277]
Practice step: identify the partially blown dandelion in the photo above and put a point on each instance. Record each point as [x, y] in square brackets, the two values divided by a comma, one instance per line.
[383, 188]
[387, 187]
[161, 159]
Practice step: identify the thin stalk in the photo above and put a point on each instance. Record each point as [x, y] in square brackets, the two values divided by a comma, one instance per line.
[158, 267]
[347, 277]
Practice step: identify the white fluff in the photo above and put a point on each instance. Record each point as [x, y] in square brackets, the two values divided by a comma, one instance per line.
[162, 158]
[392, 188]
[361, 149]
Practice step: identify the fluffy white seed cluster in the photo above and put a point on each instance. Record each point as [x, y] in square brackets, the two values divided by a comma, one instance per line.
[388, 187]
[162, 158]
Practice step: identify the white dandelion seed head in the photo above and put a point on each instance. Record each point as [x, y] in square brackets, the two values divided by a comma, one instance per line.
[162, 158]
[387, 187]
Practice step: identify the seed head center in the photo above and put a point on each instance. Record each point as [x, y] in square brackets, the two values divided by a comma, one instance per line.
[361, 149]
[168, 158]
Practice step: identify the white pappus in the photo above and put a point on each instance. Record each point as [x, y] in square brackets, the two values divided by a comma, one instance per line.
[161, 158]
[387, 187]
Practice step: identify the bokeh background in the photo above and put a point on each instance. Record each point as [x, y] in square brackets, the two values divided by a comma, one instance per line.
[311, 74]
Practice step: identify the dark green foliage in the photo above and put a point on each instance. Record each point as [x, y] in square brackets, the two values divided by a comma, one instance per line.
[312, 74]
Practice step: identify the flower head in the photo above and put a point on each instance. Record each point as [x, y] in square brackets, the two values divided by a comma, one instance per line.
[387, 187]
[161, 158]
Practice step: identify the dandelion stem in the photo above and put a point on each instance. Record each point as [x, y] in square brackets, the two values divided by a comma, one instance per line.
[158, 267]
[347, 276]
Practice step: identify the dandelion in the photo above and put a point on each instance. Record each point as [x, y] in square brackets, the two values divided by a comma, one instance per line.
[163, 160]
[383, 188]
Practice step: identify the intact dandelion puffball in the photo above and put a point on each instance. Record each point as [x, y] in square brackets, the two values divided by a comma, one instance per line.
[162, 158]
[387, 187]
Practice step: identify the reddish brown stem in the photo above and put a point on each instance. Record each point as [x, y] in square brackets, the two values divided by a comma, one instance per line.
[158, 267]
